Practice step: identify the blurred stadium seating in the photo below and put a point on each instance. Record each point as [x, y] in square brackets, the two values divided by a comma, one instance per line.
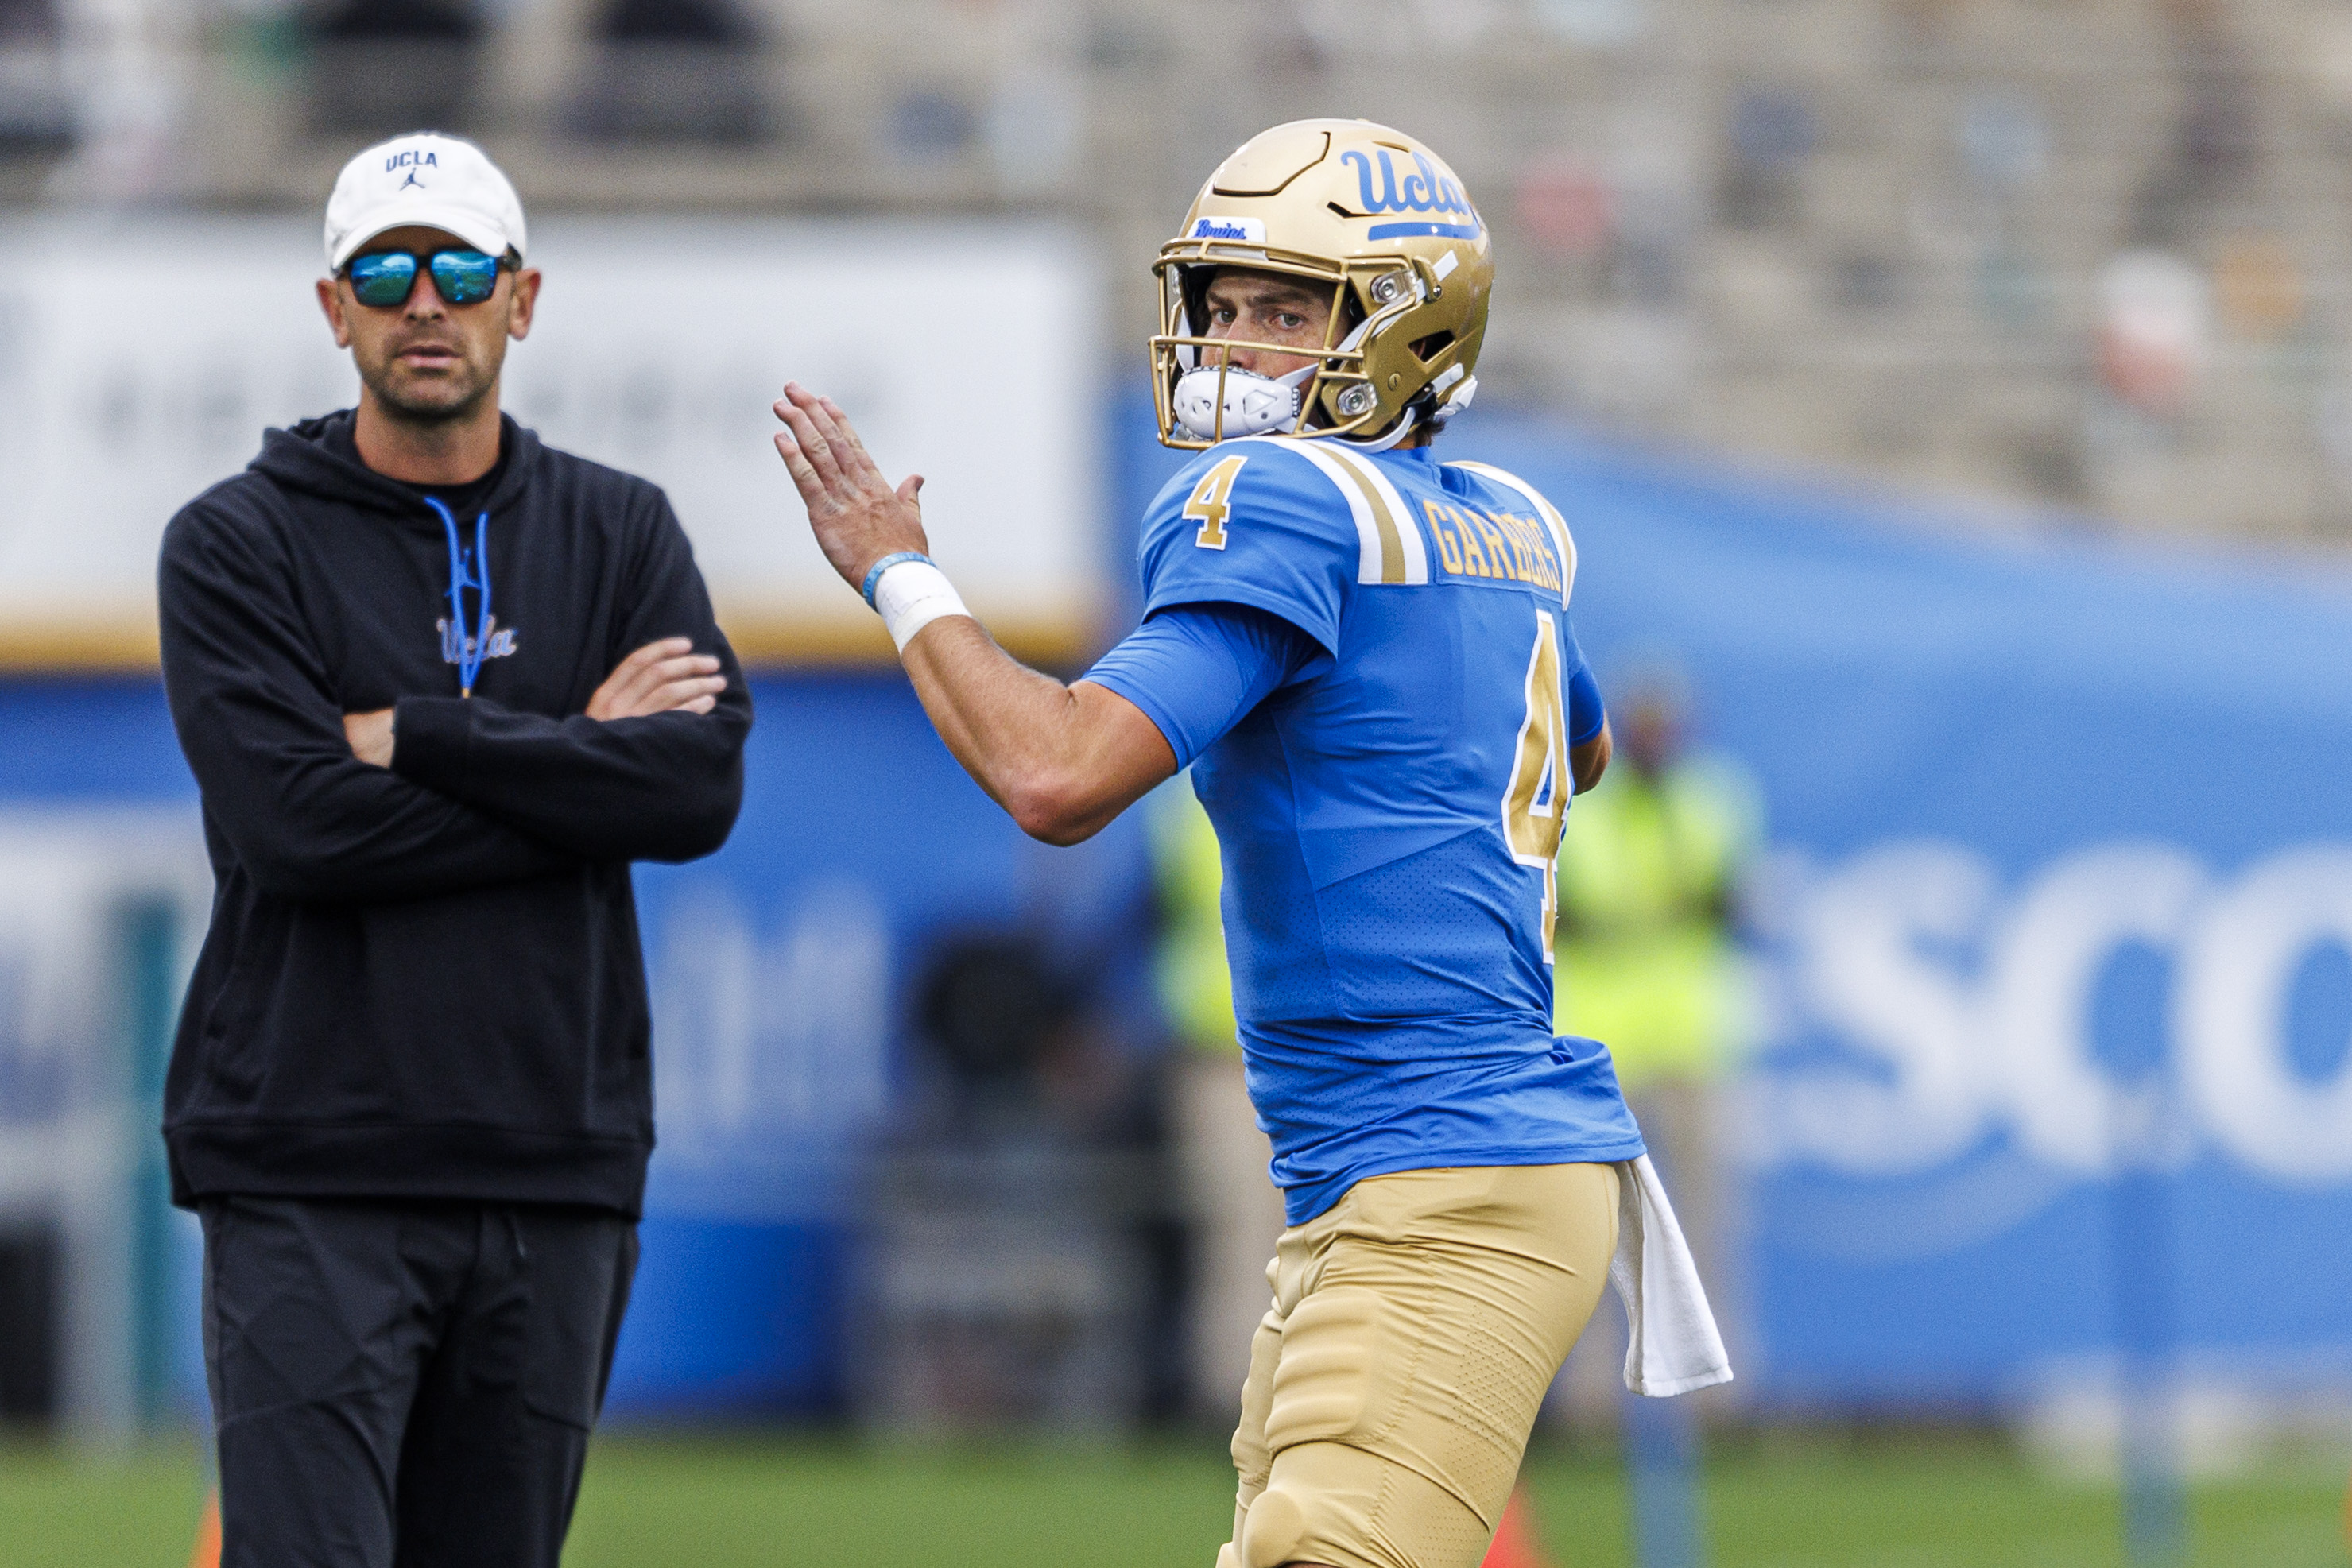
[2085, 253]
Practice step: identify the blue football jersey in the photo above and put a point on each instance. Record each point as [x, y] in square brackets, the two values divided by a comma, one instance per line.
[1388, 819]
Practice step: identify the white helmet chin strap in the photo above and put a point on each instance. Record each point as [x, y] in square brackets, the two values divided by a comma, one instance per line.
[1403, 428]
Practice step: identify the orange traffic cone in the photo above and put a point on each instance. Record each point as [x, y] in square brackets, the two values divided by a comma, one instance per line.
[207, 1552]
[1516, 1544]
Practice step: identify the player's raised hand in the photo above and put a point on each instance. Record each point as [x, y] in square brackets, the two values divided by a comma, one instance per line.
[856, 515]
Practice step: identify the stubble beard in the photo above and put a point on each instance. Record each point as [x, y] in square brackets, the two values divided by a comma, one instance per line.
[430, 402]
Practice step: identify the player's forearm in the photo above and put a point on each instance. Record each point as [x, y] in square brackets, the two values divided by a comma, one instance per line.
[1589, 760]
[1038, 747]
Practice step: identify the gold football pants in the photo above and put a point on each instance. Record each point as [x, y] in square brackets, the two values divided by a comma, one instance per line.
[1416, 1324]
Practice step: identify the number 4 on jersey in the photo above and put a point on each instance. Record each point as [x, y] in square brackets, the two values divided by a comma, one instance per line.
[1534, 806]
[1208, 505]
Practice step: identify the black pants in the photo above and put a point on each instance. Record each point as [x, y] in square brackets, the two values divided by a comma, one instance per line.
[406, 1384]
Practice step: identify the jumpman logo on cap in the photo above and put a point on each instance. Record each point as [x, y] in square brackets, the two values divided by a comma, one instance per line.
[412, 180]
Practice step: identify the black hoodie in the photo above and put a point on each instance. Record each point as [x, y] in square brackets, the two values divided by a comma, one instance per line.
[426, 982]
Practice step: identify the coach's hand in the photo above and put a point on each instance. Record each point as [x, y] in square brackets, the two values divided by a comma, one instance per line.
[660, 677]
[855, 515]
[370, 736]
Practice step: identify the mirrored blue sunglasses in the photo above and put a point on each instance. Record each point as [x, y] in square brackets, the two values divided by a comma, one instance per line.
[383, 278]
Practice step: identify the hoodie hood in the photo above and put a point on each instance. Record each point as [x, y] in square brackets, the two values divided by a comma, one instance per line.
[302, 458]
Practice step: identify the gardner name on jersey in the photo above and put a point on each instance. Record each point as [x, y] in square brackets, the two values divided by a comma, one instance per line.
[1389, 817]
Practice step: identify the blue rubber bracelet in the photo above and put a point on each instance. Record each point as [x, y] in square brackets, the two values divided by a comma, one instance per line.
[874, 574]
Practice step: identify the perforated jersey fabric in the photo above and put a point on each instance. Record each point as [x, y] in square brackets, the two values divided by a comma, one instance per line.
[1391, 974]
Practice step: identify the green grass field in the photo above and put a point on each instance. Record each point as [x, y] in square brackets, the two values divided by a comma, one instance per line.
[655, 1501]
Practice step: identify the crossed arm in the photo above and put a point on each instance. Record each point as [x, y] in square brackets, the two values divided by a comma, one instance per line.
[659, 677]
[1062, 759]
[466, 794]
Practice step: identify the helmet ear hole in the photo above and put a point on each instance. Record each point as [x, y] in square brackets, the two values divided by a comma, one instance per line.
[1427, 349]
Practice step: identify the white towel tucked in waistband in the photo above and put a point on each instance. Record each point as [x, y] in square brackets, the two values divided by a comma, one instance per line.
[1671, 1346]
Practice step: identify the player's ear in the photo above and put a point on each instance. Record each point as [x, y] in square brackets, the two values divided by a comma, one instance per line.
[330, 301]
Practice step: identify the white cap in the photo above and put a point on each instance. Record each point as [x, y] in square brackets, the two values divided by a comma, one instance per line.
[428, 179]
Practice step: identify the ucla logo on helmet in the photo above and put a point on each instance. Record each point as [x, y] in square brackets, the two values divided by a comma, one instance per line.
[1249, 229]
[1425, 191]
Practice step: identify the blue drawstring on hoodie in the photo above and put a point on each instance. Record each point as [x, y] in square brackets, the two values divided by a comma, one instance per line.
[471, 650]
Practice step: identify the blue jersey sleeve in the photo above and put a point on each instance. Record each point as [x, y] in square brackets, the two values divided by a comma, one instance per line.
[1250, 523]
[1197, 670]
[1585, 713]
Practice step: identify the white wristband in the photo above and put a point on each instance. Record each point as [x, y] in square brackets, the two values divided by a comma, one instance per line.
[911, 596]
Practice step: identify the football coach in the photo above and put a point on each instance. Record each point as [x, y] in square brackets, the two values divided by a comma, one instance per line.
[439, 684]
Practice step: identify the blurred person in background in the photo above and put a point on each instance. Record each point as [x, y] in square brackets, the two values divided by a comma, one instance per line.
[1368, 653]
[1651, 874]
[411, 1097]
[1232, 1209]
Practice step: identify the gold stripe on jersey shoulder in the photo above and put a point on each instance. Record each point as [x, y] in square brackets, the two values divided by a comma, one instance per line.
[1392, 564]
[1392, 551]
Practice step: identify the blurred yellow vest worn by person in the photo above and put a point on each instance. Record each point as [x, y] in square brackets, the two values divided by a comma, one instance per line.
[1196, 984]
[1649, 872]
[1230, 1203]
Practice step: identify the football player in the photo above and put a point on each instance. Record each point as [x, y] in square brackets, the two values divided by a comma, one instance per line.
[1363, 654]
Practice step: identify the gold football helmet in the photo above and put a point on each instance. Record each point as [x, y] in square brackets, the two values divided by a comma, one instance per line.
[1381, 220]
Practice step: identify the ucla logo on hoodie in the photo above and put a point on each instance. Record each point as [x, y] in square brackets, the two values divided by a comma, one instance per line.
[457, 647]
